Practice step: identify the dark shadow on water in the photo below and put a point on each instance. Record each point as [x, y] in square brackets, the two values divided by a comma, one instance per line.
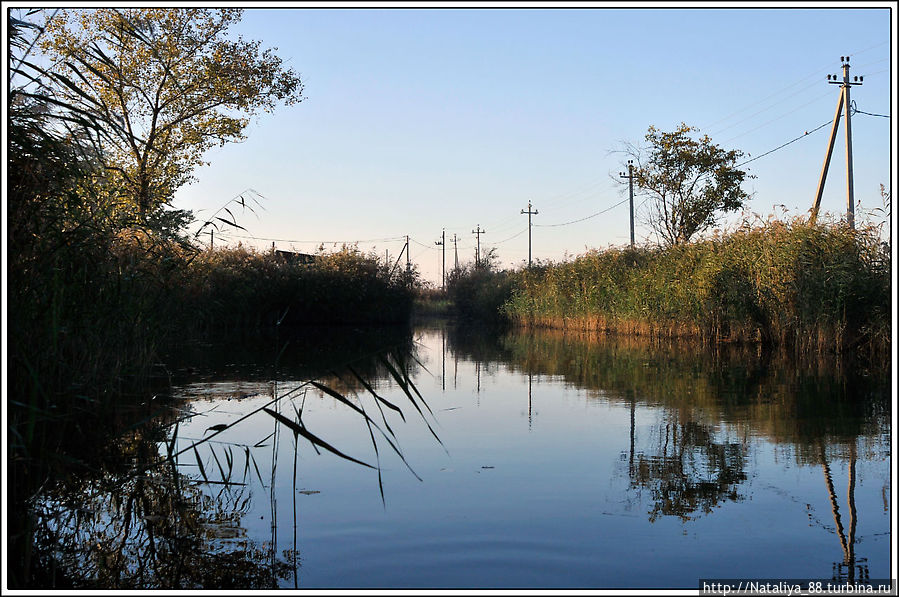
[108, 504]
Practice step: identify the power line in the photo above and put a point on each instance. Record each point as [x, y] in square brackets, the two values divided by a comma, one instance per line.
[294, 240]
[788, 87]
[802, 136]
[764, 124]
[516, 235]
[857, 111]
[583, 219]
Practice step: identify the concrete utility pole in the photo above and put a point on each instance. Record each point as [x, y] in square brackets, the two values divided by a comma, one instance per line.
[477, 254]
[530, 213]
[442, 243]
[844, 100]
[630, 185]
[456, 250]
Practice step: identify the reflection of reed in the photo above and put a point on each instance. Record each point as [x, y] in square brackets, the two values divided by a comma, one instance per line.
[794, 402]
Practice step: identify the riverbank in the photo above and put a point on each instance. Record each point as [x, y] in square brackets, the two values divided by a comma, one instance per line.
[811, 288]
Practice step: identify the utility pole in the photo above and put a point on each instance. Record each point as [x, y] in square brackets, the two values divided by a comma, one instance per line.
[530, 213]
[408, 267]
[477, 254]
[456, 250]
[630, 185]
[442, 243]
[844, 100]
[211, 239]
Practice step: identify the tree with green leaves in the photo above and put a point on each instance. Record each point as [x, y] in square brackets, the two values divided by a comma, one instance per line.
[157, 87]
[689, 182]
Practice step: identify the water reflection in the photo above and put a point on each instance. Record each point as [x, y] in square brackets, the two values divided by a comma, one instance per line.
[689, 471]
[714, 404]
[150, 507]
[549, 447]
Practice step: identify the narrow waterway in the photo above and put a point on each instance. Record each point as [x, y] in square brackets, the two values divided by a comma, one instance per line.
[499, 460]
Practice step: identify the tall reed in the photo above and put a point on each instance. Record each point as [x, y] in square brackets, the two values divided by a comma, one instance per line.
[821, 287]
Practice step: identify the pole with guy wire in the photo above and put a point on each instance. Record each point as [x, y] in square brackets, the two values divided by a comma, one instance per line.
[530, 213]
[844, 84]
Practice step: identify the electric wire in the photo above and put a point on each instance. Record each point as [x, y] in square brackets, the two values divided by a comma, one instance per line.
[327, 242]
[857, 111]
[584, 218]
[804, 135]
[516, 235]
[764, 124]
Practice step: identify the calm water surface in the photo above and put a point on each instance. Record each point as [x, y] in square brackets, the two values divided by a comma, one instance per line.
[563, 461]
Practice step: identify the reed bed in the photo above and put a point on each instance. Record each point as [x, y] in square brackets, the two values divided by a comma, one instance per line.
[816, 288]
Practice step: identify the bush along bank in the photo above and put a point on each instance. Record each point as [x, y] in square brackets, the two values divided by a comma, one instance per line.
[821, 287]
[477, 293]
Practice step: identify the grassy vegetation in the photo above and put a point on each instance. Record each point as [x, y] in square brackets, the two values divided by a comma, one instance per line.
[786, 283]
[477, 293]
[813, 287]
[250, 288]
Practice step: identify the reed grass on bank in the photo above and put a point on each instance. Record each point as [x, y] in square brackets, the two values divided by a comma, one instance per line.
[818, 287]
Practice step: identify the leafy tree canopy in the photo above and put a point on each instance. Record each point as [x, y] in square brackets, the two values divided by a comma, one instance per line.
[157, 87]
[690, 182]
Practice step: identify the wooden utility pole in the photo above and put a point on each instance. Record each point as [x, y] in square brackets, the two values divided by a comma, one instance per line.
[442, 243]
[630, 184]
[530, 213]
[477, 254]
[408, 266]
[456, 250]
[842, 104]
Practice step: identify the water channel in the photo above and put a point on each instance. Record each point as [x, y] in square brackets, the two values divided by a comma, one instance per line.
[514, 459]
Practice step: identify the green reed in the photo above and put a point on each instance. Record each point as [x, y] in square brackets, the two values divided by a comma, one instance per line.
[821, 287]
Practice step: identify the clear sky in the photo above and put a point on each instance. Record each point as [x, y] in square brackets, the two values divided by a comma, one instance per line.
[420, 119]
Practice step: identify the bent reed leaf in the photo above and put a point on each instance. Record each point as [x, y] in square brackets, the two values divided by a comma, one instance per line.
[301, 430]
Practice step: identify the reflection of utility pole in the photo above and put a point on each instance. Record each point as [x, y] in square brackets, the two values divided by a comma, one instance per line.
[844, 84]
[630, 185]
[845, 570]
[530, 213]
[455, 368]
[631, 459]
[478, 370]
[477, 254]
[530, 381]
[443, 357]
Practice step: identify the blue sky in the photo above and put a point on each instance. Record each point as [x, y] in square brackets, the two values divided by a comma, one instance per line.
[419, 119]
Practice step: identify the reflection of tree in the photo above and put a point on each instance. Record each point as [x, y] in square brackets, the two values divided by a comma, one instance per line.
[690, 472]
